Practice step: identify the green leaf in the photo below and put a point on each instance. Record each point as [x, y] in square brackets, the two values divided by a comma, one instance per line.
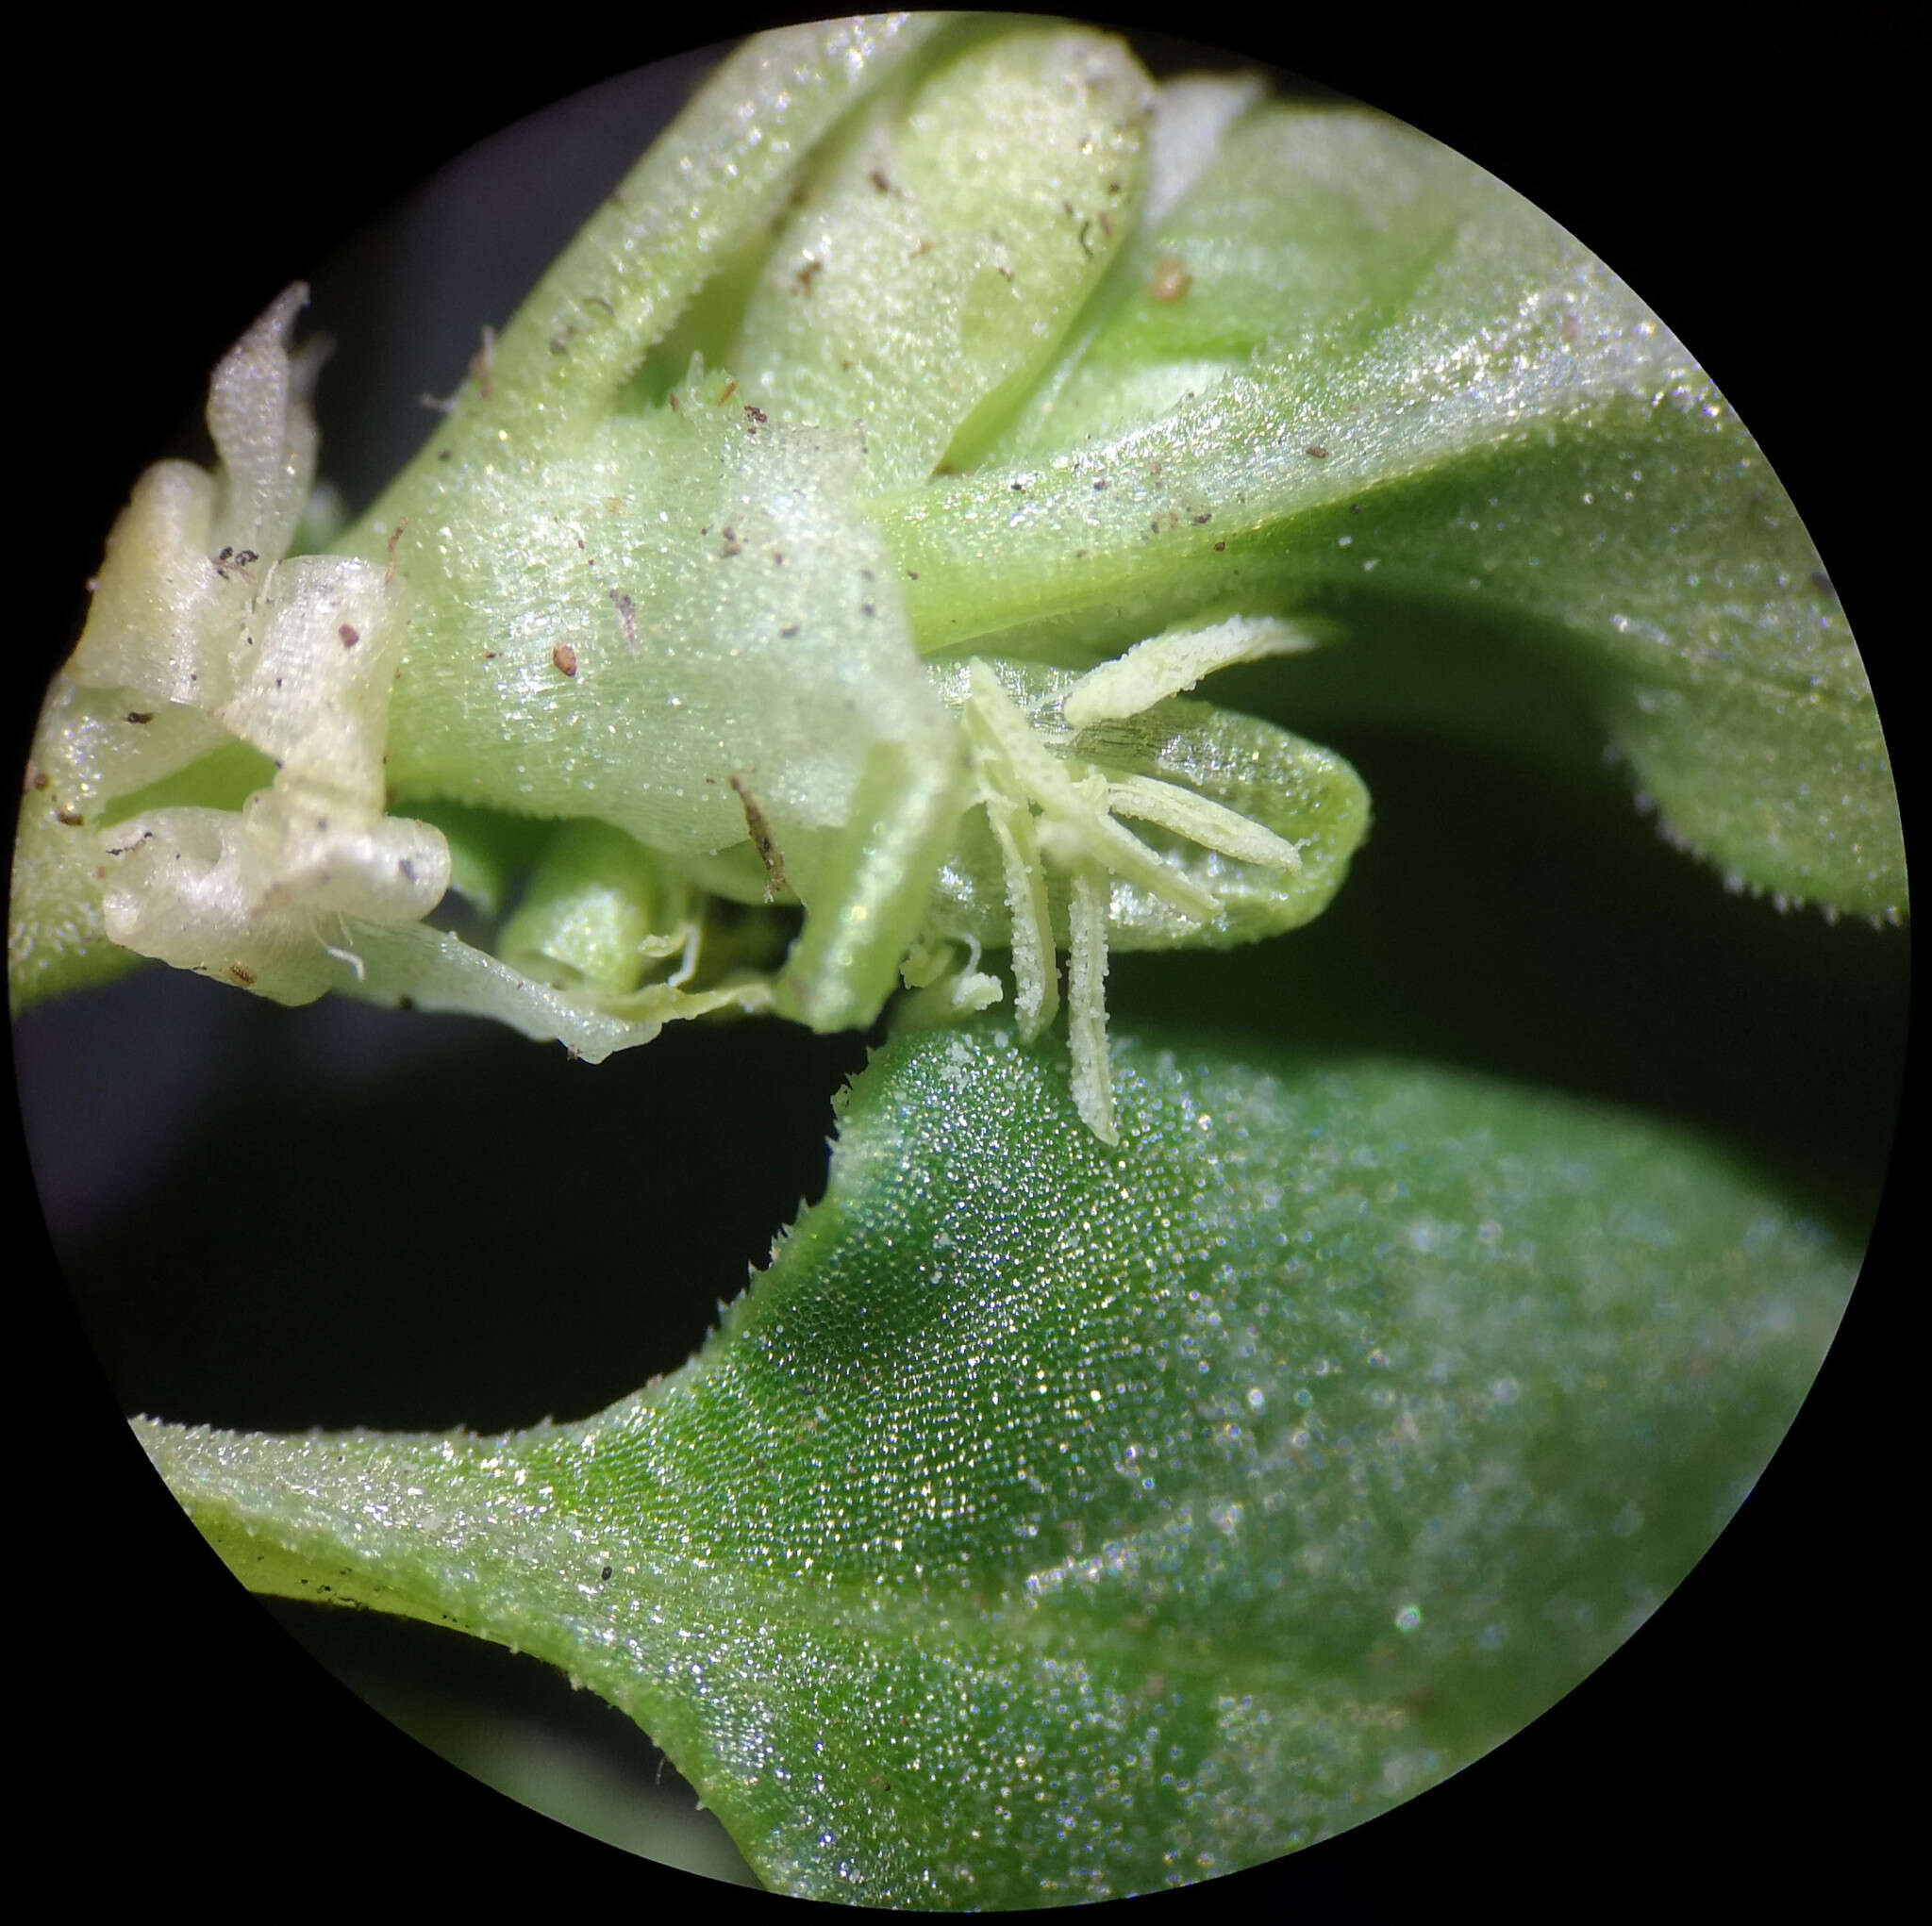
[1394, 394]
[1052, 1521]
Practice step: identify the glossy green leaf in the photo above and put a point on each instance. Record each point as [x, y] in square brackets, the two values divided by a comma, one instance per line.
[1053, 1521]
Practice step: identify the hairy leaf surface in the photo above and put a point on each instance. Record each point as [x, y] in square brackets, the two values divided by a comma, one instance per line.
[1053, 1521]
[1353, 375]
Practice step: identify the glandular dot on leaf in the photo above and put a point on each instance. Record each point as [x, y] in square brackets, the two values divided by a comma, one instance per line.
[465, 1230]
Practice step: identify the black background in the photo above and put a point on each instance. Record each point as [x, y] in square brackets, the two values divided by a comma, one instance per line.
[1743, 1743]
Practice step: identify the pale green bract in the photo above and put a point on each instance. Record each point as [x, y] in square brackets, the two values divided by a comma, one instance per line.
[1149, 1458]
